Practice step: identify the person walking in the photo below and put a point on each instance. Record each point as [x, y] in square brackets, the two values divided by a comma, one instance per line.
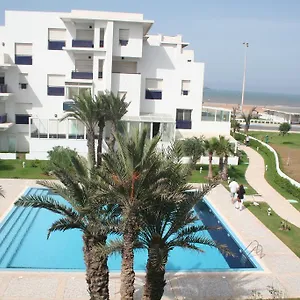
[247, 140]
[240, 197]
[233, 186]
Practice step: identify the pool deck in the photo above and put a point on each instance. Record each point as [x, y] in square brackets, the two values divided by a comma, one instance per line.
[281, 266]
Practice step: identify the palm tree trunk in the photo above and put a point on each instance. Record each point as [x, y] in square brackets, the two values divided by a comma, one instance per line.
[221, 164]
[127, 272]
[247, 126]
[225, 168]
[112, 139]
[91, 147]
[101, 126]
[210, 172]
[97, 275]
[155, 279]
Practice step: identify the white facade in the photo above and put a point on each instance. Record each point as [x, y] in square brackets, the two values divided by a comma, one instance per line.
[46, 57]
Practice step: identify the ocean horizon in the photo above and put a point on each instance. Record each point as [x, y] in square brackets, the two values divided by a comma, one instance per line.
[251, 98]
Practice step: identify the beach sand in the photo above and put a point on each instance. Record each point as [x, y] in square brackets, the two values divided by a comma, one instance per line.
[259, 108]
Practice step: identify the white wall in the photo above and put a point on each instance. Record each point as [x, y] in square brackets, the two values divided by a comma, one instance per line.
[204, 160]
[130, 83]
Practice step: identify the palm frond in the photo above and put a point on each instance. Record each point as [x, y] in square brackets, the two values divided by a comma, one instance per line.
[64, 224]
[1, 192]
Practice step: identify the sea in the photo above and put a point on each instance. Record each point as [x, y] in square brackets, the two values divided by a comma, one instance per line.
[250, 98]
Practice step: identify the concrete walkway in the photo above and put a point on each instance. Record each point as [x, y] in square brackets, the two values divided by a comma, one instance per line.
[255, 177]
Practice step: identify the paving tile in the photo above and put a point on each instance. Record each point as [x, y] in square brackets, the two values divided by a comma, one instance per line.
[34, 288]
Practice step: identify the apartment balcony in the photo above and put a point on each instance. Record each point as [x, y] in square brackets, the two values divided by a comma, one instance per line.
[4, 93]
[82, 75]
[82, 44]
[181, 124]
[4, 125]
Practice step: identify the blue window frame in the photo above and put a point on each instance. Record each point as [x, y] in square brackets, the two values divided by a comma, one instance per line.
[183, 119]
[3, 118]
[123, 42]
[185, 92]
[155, 95]
[56, 45]
[22, 119]
[56, 91]
[23, 60]
[180, 124]
[82, 44]
[82, 75]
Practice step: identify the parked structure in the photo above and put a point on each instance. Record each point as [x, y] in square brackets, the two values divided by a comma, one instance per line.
[282, 114]
[53, 56]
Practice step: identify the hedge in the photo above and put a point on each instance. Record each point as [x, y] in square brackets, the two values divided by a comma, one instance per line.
[280, 184]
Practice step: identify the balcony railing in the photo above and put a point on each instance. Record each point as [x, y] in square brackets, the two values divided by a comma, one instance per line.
[82, 75]
[3, 89]
[82, 44]
[181, 124]
[56, 91]
[23, 60]
[155, 95]
[3, 118]
[56, 45]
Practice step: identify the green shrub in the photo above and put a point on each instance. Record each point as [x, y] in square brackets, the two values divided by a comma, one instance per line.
[45, 167]
[35, 163]
[282, 185]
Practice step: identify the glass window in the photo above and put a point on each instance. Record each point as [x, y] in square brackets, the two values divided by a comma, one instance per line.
[179, 114]
[22, 119]
[208, 114]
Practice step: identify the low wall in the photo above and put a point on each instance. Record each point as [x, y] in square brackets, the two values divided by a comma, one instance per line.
[8, 156]
[233, 160]
[291, 180]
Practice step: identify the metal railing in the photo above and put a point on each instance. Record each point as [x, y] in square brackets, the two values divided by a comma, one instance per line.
[257, 247]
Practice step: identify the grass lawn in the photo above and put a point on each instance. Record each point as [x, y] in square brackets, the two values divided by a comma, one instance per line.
[291, 238]
[14, 169]
[236, 172]
[288, 149]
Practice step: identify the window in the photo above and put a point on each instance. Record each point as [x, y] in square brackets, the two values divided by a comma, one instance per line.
[122, 94]
[56, 38]
[23, 54]
[185, 87]
[222, 116]
[100, 68]
[184, 119]
[67, 105]
[22, 119]
[23, 81]
[101, 37]
[123, 37]
[154, 89]
[208, 114]
[56, 85]
[2, 79]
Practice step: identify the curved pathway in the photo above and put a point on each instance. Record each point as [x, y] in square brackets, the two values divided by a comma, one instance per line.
[255, 177]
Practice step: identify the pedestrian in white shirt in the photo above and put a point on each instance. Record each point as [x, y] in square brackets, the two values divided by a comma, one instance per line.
[233, 186]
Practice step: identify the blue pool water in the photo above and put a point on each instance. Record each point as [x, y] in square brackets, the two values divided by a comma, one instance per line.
[24, 244]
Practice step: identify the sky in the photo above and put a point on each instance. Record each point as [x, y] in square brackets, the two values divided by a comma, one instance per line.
[216, 30]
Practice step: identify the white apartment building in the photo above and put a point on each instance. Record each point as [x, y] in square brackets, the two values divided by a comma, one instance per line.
[47, 57]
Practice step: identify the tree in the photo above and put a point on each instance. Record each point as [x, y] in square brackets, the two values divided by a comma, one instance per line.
[210, 146]
[116, 108]
[84, 110]
[83, 213]
[194, 147]
[235, 126]
[183, 232]
[132, 176]
[284, 128]
[1, 192]
[248, 117]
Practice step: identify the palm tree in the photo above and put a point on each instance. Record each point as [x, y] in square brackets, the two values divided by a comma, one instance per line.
[235, 126]
[210, 146]
[133, 176]
[1, 192]
[95, 221]
[166, 226]
[116, 108]
[194, 148]
[248, 117]
[84, 110]
[228, 150]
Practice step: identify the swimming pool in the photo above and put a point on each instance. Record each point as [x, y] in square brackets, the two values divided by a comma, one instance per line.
[24, 244]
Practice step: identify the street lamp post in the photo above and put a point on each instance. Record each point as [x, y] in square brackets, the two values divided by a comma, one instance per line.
[244, 78]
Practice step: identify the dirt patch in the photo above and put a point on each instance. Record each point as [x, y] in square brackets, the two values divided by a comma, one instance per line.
[290, 160]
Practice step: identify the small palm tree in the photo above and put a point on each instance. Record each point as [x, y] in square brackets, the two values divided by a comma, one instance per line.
[235, 126]
[194, 147]
[167, 226]
[95, 221]
[84, 110]
[227, 150]
[116, 108]
[210, 146]
[1, 192]
[248, 117]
